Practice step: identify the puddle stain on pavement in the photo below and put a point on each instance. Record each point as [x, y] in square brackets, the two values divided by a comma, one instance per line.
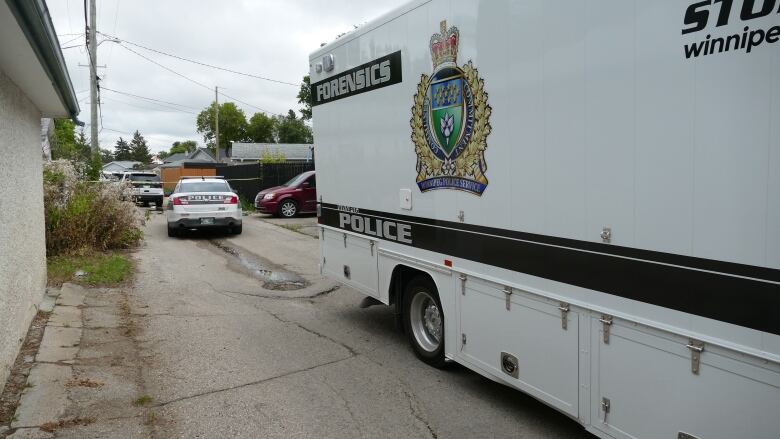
[273, 277]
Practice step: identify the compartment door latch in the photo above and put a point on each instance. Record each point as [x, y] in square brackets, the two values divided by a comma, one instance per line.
[564, 307]
[508, 297]
[605, 406]
[463, 278]
[696, 347]
[606, 322]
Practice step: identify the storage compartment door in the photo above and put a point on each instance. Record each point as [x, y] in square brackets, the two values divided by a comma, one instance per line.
[531, 330]
[351, 260]
[646, 375]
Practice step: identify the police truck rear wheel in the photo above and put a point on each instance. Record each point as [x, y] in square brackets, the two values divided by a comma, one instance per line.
[424, 321]
[288, 209]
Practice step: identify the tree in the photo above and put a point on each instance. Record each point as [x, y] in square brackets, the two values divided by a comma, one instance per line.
[139, 150]
[82, 146]
[232, 125]
[122, 149]
[65, 143]
[106, 155]
[187, 146]
[269, 157]
[94, 166]
[290, 129]
[304, 97]
[261, 129]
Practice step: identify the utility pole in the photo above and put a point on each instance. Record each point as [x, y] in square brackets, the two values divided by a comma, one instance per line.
[216, 122]
[93, 76]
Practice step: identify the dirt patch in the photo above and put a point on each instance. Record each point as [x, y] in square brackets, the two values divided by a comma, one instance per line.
[52, 426]
[17, 380]
[83, 382]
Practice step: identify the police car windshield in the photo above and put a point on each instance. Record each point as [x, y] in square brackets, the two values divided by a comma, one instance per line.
[204, 186]
[298, 179]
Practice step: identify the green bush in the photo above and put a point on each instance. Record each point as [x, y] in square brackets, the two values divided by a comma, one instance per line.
[83, 216]
[246, 205]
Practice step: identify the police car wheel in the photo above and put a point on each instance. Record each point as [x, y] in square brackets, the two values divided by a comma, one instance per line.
[424, 321]
[173, 232]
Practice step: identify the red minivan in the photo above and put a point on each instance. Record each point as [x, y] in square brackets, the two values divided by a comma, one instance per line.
[299, 195]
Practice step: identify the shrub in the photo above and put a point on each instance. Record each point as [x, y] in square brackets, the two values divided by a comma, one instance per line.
[82, 216]
[246, 204]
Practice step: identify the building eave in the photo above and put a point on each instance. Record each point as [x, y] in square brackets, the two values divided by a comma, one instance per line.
[34, 20]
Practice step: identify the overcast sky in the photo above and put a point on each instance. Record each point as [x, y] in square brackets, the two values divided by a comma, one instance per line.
[269, 38]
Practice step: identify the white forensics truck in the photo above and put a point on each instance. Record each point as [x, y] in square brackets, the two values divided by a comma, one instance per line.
[578, 199]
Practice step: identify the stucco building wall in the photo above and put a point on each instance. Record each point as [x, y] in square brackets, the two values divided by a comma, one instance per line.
[22, 233]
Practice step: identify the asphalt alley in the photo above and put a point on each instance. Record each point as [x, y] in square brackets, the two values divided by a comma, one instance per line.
[243, 338]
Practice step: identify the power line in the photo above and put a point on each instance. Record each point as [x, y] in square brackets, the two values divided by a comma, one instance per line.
[160, 106]
[149, 99]
[166, 68]
[145, 136]
[72, 40]
[201, 63]
[245, 103]
[192, 80]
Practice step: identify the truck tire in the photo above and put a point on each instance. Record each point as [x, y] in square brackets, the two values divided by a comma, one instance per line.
[424, 321]
[288, 209]
[158, 204]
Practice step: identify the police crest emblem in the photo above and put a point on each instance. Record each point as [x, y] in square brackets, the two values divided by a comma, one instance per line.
[450, 120]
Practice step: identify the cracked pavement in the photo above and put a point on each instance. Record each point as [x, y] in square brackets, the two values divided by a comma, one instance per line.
[221, 356]
[229, 358]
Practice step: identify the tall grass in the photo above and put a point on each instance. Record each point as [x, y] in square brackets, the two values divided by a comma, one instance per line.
[86, 216]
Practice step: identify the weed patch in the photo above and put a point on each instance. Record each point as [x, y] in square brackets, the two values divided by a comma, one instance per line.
[82, 215]
[142, 400]
[293, 227]
[100, 269]
[246, 205]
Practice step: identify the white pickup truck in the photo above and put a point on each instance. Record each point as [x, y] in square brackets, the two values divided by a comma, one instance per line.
[147, 187]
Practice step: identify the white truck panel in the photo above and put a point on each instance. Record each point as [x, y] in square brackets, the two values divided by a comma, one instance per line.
[598, 120]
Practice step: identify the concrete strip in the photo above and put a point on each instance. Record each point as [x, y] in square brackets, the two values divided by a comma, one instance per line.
[46, 400]
[65, 316]
[71, 295]
[59, 344]
[30, 433]
[102, 317]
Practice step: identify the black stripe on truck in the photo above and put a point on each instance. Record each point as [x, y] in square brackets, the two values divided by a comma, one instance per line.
[743, 295]
[370, 76]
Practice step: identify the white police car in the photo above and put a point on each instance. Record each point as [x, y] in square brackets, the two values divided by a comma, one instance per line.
[201, 203]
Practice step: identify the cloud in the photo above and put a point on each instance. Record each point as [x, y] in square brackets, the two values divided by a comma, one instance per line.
[267, 38]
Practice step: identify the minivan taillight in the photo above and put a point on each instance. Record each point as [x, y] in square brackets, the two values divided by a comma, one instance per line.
[231, 200]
